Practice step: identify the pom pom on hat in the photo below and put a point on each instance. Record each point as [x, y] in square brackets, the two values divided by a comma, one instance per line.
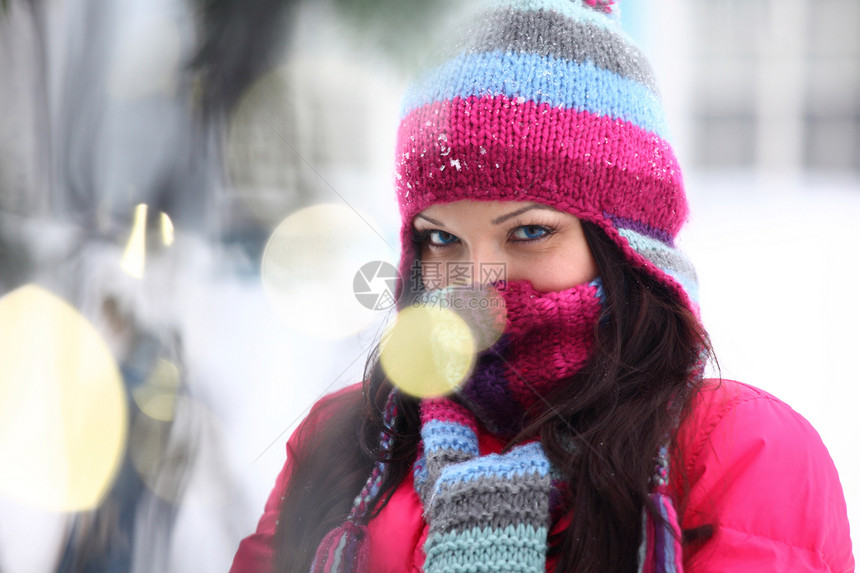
[605, 6]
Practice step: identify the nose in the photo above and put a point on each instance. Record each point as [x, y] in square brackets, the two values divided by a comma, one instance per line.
[486, 263]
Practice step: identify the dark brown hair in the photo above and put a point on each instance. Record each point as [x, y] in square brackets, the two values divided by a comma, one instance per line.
[615, 413]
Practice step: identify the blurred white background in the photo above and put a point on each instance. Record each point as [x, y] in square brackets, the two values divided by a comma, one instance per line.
[297, 106]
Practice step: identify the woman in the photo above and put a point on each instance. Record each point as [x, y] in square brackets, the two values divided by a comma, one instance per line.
[584, 439]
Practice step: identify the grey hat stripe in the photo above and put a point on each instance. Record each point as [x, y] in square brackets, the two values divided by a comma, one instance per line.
[670, 260]
[548, 33]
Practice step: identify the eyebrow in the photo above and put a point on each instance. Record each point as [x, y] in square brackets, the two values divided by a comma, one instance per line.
[498, 220]
[428, 219]
[512, 214]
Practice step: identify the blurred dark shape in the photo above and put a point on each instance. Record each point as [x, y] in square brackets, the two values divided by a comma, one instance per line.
[109, 538]
[239, 40]
[75, 160]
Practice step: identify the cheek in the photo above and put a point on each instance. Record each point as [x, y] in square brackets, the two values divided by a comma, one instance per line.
[434, 268]
[558, 271]
[428, 254]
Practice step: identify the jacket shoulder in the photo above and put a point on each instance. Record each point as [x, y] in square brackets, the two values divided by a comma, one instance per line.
[256, 552]
[729, 403]
[759, 473]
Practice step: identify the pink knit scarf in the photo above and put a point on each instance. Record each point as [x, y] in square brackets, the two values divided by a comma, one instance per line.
[547, 338]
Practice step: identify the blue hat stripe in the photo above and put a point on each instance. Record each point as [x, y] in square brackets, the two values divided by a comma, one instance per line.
[545, 79]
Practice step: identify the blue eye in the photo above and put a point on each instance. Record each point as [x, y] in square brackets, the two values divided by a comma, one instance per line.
[529, 233]
[441, 238]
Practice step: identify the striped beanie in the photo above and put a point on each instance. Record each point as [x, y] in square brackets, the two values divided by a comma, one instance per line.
[547, 101]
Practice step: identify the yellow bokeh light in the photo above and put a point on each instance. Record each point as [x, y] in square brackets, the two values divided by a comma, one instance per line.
[134, 257]
[161, 467]
[277, 129]
[309, 265]
[157, 397]
[428, 352]
[482, 307]
[63, 413]
[166, 230]
[180, 460]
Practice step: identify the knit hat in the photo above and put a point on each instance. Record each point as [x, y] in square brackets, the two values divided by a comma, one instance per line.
[548, 101]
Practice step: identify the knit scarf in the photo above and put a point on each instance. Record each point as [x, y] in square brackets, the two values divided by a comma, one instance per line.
[493, 512]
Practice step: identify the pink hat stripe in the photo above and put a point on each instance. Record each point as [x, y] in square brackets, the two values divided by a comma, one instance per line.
[494, 148]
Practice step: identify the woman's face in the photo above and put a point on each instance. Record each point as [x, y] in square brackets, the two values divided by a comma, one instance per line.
[480, 242]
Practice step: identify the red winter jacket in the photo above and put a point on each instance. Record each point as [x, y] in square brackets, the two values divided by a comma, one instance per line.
[756, 470]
